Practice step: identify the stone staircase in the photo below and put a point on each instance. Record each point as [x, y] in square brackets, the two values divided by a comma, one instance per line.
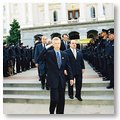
[94, 90]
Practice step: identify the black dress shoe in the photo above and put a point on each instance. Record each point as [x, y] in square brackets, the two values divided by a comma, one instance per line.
[109, 87]
[105, 79]
[71, 97]
[47, 88]
[43, 87]
[79, 98]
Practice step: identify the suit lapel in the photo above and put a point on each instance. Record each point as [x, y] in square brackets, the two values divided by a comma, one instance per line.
[77, 52]
[54, 56]
[62, 58]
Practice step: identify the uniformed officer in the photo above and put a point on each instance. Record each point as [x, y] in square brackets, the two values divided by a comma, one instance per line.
[110, 56]
[5, 59]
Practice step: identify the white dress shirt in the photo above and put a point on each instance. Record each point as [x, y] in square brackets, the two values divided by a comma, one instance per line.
[74, 52]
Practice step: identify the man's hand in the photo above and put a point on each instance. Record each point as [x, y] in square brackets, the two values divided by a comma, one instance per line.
[71, 82]
[48, 46]
[65, 72]
[36, 65]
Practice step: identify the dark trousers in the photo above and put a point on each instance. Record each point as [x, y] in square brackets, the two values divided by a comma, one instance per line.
[18, 63]
[5, 69]
[111, 74]
[42, 78]
[78, 86]
[57, 100]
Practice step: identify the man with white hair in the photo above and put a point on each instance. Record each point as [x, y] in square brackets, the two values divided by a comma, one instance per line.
[56, 62]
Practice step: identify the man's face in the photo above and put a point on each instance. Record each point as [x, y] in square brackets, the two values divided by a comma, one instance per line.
[73, 44]
[44, 40]
[65, 37]
[56, 44]
[111, 37]
[103, 34]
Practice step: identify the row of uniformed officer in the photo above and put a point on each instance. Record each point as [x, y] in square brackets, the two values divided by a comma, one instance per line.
[100, 55]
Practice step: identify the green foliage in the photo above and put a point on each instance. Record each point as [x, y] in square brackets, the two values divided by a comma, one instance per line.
[14, 33]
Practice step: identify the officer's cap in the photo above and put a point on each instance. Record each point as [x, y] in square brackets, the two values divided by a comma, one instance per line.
[111, 31]
[21, 43]
[104, 30]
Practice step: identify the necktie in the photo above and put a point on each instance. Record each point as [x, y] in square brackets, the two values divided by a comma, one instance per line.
[58, 59]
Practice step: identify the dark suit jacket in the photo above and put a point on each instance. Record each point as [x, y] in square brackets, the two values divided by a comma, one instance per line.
[54, 74]
[38, 50]
[63, 46]
[76, 64]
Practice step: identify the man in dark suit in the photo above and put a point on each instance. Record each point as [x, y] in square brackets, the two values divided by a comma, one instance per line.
[64, 42]
[77, 65]
[56, 62]
[40, 64]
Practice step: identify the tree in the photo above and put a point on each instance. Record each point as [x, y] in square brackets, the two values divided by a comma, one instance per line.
[14, 33]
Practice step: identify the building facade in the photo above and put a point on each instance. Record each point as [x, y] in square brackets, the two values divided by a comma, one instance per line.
[85, 19]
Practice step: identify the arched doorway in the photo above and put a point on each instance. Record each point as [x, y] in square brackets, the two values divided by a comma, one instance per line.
[74, 35]
[92, 34]
[55, 35]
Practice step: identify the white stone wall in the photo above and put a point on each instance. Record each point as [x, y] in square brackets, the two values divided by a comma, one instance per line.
[37, 14]
[28, 34]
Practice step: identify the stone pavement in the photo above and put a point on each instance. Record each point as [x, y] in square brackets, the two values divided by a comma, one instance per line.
[17, 108]
[23, 91]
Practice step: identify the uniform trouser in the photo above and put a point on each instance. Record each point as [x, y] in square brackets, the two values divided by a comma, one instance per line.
[23, 63]
[104, 67]
[111, 74]
[13, 60]
[78, 86]
[18, 64]
[5, 69]
[57, 100]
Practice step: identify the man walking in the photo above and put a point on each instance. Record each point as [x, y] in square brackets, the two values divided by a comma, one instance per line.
[77, 66]
[41, 64]
[56, 62]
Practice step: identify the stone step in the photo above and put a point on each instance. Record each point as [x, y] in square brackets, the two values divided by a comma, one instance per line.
[33, 83]
[38, 91]
[45, 99]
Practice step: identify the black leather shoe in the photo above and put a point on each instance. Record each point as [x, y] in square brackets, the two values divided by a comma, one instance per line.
[43, 87]
[79, 98]
[71, 97]
[105, 79]
[109, 87]
[47, 88]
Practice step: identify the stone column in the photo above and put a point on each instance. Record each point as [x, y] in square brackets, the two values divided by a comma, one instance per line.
[46, 14]
[63, 13]
[30, 14]
[100, 12]
[7, 18]
[82, 12]
[22, 16]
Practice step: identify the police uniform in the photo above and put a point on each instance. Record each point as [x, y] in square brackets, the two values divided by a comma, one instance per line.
[110, 56]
